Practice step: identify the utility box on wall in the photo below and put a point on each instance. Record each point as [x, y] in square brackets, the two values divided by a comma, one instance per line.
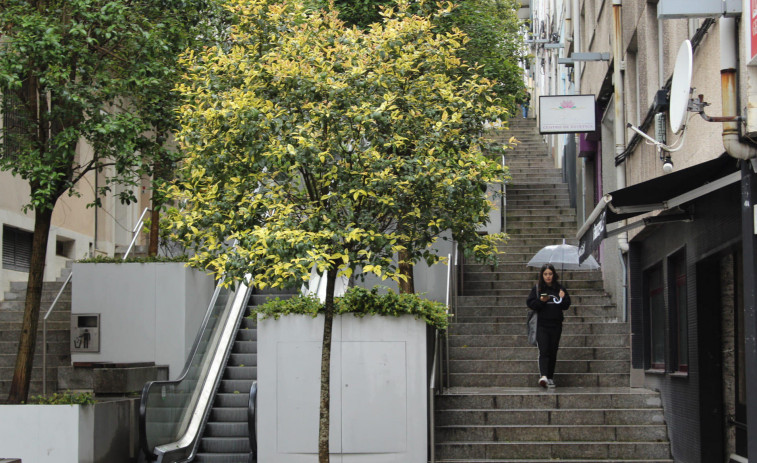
[85, 332]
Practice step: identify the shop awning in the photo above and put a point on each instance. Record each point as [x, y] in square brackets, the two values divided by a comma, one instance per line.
[663, 193]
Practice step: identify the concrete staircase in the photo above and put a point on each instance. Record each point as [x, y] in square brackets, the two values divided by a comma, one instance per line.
[494, 410]
[58, 334]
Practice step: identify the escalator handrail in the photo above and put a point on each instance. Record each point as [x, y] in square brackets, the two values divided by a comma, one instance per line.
[192, 353]
[149, 452]
[251, 424]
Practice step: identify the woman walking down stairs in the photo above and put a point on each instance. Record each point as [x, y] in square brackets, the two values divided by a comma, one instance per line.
[495, 410]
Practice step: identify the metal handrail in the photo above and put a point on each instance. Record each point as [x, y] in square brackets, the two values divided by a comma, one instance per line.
[503, 202]
[192, 423]
[431, 394]
[439, 376]
[44, 333]
[251, 421]
[134, 233]
[140, 222]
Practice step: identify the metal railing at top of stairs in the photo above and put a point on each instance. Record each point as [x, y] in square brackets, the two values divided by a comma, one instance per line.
[172, 413]
[140, 222]
[439, 375]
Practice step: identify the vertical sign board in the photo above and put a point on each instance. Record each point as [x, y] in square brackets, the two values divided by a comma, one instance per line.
[592, 237]
[567, 114]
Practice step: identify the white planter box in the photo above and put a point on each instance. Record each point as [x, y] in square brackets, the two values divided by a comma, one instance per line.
[378, 389]
[148, 312]
[99, 433]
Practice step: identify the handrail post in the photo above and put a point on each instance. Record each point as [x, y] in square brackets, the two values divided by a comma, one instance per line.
[503, 201]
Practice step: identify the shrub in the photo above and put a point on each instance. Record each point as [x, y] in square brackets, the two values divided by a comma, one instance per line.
[361, 302]
[141, 260]
[63, 398]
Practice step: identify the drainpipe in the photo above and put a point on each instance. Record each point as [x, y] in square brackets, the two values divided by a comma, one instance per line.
[620, 132]
[729, 46]
[577, 76]
[660, 54]
[728, 64]
[620, 126]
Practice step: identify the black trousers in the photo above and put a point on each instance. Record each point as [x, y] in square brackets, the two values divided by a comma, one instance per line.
[548, 341]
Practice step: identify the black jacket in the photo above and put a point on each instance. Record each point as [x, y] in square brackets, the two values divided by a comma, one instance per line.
[552, 310]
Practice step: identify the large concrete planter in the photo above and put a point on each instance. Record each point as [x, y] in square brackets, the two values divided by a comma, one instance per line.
[378, 389]
[148, 312]
[98, 433]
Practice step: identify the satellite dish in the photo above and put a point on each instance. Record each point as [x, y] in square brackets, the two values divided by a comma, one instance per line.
[680, 87]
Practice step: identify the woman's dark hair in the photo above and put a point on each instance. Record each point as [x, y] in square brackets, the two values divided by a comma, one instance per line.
[555, 279]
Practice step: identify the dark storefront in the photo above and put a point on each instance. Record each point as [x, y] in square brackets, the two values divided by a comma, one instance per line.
[686, 300]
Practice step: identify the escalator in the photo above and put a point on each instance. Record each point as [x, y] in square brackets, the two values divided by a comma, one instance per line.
[203, 416]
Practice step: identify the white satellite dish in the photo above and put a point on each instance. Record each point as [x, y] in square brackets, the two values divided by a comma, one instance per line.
[680, 87]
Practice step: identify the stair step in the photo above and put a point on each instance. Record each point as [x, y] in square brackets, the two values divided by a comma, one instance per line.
[531, 417]
[462, 329]
[224, 429]
[546, 433]
[202, 457]
[504, 340]
[530, 379]
[536, 398]
[225, 445]
[530, 353]
[566, 365]
[555, 450]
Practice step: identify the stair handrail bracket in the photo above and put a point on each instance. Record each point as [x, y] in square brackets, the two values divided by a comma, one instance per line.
[195, 388]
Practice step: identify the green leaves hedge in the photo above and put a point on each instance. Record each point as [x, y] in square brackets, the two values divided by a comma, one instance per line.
[361, 302]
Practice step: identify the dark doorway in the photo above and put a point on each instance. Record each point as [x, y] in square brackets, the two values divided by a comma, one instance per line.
[709, 340]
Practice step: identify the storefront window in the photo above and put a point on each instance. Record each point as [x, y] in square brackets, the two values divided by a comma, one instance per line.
[656, 306]
[679, 313]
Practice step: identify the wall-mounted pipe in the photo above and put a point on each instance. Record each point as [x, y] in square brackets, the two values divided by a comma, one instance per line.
[619, 123]
[728, 65]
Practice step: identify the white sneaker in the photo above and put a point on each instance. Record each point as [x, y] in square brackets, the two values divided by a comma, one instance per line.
[550, 383]
[543, 382]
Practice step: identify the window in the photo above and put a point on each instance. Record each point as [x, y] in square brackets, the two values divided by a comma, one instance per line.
[17, 249]
[655, 301]
[64, 247]
[11, 125]
[679, 314]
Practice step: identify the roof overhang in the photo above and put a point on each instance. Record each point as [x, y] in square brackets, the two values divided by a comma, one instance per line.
[665, 193]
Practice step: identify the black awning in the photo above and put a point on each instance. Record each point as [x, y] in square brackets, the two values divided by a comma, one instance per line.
[633, 200]
[658, 194]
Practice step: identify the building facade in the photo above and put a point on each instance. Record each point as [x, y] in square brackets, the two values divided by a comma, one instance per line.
[77, 231]
[676, 246]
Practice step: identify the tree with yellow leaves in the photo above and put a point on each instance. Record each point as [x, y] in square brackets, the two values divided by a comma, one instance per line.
[311, 144]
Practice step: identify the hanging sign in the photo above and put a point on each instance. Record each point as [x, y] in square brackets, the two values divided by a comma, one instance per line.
[567, 114]
[590, 240]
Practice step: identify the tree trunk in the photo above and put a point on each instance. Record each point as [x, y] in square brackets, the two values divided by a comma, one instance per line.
[152, 249]
[19, 390]
[328, 322]
[406, 269]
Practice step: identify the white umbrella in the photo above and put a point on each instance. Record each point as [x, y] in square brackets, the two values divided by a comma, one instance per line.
[562, 256]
